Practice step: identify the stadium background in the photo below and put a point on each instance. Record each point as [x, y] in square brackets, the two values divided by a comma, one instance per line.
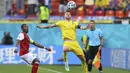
[116, 50]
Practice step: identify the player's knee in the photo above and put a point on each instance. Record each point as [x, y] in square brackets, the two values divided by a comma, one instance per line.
[82, 58]
[36, 61]
[89, 61]
[66, 50]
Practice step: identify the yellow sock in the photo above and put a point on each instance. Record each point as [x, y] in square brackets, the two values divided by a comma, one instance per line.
[65, 56]
[84, 66]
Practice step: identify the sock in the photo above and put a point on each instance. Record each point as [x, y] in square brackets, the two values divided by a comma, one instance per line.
[35, 67]
[89, 72]
[100, 71]
[65, 57]
[84, 66]
[89, 67]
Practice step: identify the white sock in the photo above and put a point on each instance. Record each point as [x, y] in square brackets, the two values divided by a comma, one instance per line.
[66, 62]
[100, 71]
[89, 72]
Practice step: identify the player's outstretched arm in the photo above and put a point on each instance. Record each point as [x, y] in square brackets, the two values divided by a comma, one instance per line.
[40, 46]
[82, 27]
[16, 49]
[46, 27]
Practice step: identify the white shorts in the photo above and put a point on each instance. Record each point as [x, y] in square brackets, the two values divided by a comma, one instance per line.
[62, 8]
[29, 57]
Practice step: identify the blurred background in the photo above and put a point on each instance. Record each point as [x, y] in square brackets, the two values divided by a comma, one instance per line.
[111, 16]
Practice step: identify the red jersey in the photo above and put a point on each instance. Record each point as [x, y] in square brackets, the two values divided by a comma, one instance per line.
[24, 43]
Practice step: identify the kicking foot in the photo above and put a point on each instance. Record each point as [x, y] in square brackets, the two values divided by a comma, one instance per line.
[67, 66]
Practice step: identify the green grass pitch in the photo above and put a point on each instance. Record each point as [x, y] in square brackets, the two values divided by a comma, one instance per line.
[53, 69]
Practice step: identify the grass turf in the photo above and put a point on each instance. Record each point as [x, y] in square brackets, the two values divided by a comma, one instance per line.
[53, 69]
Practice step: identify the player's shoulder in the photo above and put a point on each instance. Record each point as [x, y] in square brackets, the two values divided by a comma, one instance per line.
[98, 29]
[76, 22]
[88, 30]
[62, 21]
[21, 33]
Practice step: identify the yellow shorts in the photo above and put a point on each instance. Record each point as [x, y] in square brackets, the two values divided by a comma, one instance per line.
[74, 47]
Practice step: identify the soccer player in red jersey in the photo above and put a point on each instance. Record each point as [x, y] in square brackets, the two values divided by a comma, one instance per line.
[24, 40]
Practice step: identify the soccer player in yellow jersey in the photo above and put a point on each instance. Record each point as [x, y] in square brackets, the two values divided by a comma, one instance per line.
[102, 3]
[68, 29]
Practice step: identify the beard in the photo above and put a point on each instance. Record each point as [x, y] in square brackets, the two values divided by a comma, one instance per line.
[26, 31]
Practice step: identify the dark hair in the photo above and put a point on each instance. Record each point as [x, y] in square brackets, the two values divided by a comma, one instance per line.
[92, 21]
[22, 25]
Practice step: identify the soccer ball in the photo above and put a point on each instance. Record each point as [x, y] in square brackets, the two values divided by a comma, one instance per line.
[71, 5]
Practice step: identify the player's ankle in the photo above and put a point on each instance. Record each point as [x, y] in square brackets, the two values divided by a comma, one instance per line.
[89, 72]
[66, 62]
[100, 71]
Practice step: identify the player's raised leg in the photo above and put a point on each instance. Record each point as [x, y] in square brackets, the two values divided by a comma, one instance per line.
[31, 60]
[84, 65]
[65, 56]
[35, 64]
[79, 52]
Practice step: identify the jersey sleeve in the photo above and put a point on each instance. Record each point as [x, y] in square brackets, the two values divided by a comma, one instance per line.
[84, 39]
[100, 33]
[76, 24]
[87, 37]
[31, 41]
[20, 37]
[58, 23]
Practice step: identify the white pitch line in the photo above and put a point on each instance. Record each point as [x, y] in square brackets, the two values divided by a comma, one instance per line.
[50, 70]
[54, 71]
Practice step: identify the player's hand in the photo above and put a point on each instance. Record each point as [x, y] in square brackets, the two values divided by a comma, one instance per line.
[48, 49]
[100, 48]
[88, 26]
[39, 26]
[16, 50]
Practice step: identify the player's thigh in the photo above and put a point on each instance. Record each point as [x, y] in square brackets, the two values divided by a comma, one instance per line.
[61, 8]
[29, 57]
[95, 50]
[77, 49]
[81, 57]
[67, 46]
[92, 52]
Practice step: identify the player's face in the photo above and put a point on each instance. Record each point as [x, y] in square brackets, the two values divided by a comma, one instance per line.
[91, 24]
[25, 28]
[67, 15]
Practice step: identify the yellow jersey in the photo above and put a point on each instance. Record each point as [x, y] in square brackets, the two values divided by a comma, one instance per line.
[68, 29]
[84, 42]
